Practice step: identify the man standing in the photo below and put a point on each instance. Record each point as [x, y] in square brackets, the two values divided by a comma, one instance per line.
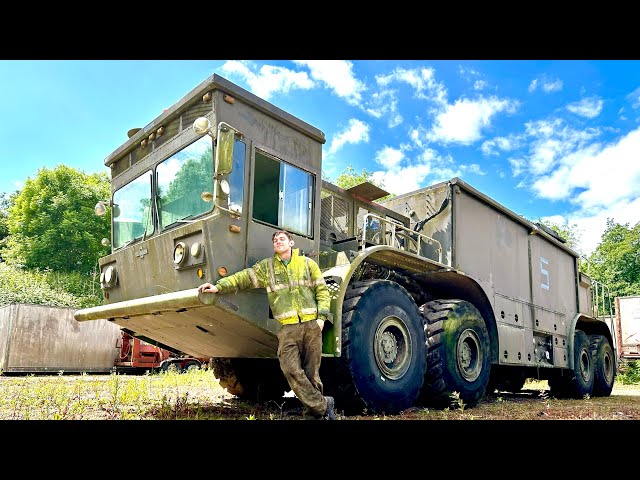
[299, 300]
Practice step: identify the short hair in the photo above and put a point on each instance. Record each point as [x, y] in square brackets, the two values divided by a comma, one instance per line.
[278, 232]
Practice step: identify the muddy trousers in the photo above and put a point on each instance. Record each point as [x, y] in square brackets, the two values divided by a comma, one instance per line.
[299, 353]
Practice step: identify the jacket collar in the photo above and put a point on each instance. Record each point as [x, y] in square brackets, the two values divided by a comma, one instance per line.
[295, 252]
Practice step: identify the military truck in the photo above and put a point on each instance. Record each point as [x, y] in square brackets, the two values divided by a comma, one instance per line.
[438, 296]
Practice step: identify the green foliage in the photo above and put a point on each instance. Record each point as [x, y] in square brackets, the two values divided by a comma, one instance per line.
[616, 260]
[571, 233]
[47, 288]
[52, 224]
[629, 373]
[4, 216]
[349, 178]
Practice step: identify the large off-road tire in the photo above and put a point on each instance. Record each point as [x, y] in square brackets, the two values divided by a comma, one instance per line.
[253, 379]
[576, 383]
[604, 365]
[458, 355]
[383, 360]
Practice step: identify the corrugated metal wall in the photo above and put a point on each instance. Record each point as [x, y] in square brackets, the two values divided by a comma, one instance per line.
[40, 338]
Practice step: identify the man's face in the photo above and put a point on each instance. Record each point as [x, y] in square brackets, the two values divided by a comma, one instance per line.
[281, 243]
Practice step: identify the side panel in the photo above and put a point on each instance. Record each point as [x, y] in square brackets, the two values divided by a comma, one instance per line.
[553, 277]
[491, 248]
[629, 325]
[531, 281]
[48, 339]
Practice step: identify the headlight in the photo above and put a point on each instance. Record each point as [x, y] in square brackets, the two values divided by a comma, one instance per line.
[179, 253]
[224, 186]
[110, 276]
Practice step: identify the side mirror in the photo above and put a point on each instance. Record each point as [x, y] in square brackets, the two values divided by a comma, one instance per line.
[224, 149]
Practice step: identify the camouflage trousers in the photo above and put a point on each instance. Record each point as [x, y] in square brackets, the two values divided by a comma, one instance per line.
[299, 353]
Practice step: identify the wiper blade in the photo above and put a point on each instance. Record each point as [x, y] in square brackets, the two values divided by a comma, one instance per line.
[183, 220]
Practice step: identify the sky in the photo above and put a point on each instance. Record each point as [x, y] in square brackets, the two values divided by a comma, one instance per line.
[555, 140]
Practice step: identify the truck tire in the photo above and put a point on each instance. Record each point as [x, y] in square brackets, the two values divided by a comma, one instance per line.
[169, 365]
[383, 360]
[191, 365]
[458, 353]
[604, 365]
[253, 379]
[576, 383]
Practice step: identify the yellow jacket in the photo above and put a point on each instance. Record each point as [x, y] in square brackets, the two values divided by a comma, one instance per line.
[297, 292]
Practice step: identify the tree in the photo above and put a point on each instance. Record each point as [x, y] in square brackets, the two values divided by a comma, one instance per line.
[570, 233]
[52, 224]
[616, 260]
[4, 216]
[4, 220]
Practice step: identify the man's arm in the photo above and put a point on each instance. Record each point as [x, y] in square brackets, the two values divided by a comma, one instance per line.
[248, 278]
[323, 297]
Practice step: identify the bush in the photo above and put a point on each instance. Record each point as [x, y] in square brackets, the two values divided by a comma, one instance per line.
[629, 373]
[47, 288]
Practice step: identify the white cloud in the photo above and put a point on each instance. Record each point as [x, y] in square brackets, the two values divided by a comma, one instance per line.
[500, 144]
[383, 103]
[634, 98]
[402, 180]
[463, 121]
[269, 79]
[480, 85]
[587, 107]
[518, 165]
[338, 76]
[592, 226]
[601, 181]
[546, 84]
[422, 80]
[552, 141]
[389, 157]
[356, 132]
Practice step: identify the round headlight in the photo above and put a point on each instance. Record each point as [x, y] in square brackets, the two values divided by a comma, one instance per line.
[179, 253]
[201, 125]
[110, 275]
[195, 249]
[224, 186]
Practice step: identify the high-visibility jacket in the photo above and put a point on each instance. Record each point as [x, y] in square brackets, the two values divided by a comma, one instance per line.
[297, 292]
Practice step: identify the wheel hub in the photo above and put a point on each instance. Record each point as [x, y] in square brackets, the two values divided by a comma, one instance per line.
[392, 348]
[469, 355]
[585, 364]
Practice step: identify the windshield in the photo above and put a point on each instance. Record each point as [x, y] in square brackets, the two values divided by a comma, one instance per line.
[132, 211]
[182, 179]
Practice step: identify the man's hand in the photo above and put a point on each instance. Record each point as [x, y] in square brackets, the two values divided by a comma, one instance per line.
[208, 288]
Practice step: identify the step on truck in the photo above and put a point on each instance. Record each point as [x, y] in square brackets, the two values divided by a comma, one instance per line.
[437, 295]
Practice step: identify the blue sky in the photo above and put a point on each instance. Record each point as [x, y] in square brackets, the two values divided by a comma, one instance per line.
[551, 139]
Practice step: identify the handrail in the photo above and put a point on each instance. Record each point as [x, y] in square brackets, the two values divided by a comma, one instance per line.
[600, 297]
[408, 235]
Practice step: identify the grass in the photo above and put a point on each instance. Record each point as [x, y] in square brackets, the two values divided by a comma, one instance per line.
[197, 395]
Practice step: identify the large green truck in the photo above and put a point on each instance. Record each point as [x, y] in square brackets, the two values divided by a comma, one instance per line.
[438, 294]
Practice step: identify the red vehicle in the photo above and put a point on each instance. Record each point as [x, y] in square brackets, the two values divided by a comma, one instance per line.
[137, 354]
